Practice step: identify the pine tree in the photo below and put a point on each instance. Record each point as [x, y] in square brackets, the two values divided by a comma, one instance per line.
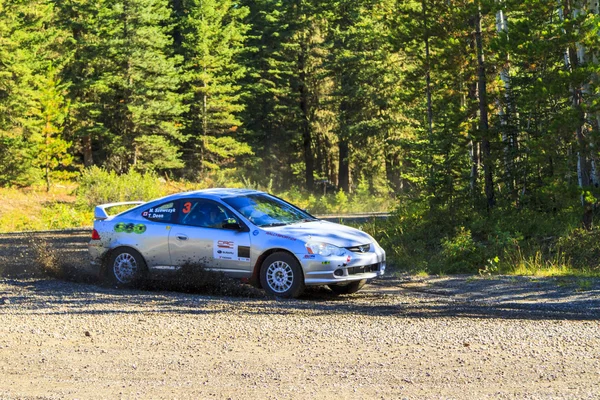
[30, 46]
[367, 73]
[274, 111]
[125, 83]
[51, 150]
[212, 40]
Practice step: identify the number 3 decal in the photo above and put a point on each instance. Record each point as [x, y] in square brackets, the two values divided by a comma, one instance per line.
[187, 207]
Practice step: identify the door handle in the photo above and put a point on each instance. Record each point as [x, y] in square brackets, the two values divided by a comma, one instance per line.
[182, 237]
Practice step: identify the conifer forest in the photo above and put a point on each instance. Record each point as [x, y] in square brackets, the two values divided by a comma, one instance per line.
[482, 117]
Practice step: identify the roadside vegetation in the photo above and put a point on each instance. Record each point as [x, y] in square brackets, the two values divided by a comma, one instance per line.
[70, 204]
[417, 239]
[485, 148]
[518, 242]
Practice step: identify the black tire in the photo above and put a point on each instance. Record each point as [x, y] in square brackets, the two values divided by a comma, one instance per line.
[126, 267]
[350, 288]
[282, 276]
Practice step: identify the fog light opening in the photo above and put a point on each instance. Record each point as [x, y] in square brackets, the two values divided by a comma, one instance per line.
[338, 272]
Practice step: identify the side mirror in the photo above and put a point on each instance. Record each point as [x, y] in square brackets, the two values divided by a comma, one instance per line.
[231, 223]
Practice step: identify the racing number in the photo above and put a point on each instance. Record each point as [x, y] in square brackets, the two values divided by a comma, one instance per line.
[187, 207]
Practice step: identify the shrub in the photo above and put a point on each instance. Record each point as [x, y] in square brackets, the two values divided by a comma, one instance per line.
[341, 201]
[582, 248]
[62, 216]
[98, 186]
[460, 253]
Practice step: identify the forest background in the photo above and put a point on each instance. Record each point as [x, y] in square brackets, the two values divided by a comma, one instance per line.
[476, 122]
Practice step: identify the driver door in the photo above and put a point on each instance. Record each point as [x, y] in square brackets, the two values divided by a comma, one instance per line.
[200, 239]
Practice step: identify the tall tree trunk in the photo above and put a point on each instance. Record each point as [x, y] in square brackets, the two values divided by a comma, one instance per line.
[305, 115]
[392, 171]
[573, 56]
[344, 165]
[428, 95]
[475, 162]
[88, 157]
[47, 130]
[483, 117]
[509, 136]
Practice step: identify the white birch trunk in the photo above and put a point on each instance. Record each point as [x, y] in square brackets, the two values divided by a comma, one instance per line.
[508, 140]
[580, 54]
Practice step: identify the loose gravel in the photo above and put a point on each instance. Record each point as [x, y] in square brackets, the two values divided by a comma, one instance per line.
[437, 338]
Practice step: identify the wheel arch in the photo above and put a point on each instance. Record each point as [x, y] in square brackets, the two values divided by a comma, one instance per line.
[259, 261]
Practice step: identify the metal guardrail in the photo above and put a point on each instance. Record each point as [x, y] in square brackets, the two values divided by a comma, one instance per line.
[383, 214]
[356, 217]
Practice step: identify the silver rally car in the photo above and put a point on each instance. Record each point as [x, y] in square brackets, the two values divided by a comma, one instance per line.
[242, 233]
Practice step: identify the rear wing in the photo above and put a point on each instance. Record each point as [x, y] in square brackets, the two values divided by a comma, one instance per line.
[100, 211]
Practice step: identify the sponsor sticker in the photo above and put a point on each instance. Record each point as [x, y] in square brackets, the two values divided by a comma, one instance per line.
[255, 233]
[229, 250]
[225, 244]
[130, 228]
[280, 236]
[310, 256]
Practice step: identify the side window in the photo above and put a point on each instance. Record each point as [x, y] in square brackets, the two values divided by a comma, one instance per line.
[166, 212]
[203, 213]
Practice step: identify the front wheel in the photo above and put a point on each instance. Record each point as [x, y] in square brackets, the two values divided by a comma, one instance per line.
[126, 267]
[350, 288]
[281, 276]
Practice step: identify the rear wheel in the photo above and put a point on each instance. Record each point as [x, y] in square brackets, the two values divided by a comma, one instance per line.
[126, 267]
[281, 275]
[350, 288]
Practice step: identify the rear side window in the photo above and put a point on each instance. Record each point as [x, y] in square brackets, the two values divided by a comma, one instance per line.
[166, 212]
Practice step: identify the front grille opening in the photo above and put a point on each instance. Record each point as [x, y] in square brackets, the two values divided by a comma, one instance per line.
[363, 248]
[363, 269]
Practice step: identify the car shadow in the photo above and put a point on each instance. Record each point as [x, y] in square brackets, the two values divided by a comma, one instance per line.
[502, 297]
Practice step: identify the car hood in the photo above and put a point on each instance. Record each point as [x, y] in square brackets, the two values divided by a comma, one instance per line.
[324, 231]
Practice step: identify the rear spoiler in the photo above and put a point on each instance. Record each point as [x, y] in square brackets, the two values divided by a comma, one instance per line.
[100, 211]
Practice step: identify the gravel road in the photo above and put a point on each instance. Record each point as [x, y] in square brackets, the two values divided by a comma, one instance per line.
[403, 337]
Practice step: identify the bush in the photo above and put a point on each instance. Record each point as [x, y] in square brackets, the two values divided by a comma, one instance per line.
[98, 186]
[460, 253]
[62, 216]
[455, 239]
[582, 248]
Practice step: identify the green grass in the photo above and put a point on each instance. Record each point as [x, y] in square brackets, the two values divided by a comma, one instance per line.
[34, 209]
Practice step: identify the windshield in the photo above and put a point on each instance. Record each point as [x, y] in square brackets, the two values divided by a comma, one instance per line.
[264, 210]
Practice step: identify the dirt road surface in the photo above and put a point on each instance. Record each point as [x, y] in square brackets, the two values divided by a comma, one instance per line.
[453, 337]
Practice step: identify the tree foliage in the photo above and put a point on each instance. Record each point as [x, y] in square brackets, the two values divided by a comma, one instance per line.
[464, 106]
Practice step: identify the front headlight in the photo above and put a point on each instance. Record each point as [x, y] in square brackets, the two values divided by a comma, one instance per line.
[324, 249]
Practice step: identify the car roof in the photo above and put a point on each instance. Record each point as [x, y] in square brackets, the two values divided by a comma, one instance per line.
[220, 193]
